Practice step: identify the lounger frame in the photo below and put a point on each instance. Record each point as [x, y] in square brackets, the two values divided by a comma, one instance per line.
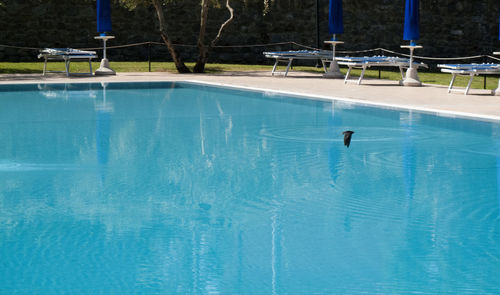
[470, 70]
[373, 61]
[67, 55]
[289, 56]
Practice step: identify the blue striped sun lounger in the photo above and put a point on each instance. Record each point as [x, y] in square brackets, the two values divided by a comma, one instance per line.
[289, 56]
[365, 62]
[471, 70]
[67, 55]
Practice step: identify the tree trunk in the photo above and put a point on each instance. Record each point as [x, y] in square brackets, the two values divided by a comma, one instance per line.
[203, 50]
[179, 64]
[203, 55]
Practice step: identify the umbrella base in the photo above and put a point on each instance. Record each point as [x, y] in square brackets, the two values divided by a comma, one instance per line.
[411, 79]
[333, 71]
[496, 91]
[104, 69]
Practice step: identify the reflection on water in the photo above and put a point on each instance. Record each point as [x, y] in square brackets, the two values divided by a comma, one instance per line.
[197, 190]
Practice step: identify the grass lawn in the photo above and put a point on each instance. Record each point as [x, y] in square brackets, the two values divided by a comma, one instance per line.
[425, 76]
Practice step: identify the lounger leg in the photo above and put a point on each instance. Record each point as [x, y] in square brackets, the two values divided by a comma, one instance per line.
[288, 67]
[362, 75]
[90, 66]
[67, 67]
[45, 66]
[468, 84]
[274, 67]
[453, 76]
[347, 74]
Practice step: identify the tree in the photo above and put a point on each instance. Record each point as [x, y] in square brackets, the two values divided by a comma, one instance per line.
[203, 47]
[179, 64]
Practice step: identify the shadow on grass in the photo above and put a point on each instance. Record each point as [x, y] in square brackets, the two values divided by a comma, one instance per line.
[211, 70]
[19, 71]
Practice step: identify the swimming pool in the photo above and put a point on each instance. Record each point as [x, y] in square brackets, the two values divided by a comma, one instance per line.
[164, 188]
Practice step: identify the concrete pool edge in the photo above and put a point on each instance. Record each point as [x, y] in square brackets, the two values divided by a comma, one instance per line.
[436, 112]
[432, 99]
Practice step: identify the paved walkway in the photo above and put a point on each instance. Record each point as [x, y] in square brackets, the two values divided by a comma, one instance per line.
[430, 98]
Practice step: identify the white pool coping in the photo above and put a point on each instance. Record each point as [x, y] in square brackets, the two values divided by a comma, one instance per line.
[434, 99]
[443, 113]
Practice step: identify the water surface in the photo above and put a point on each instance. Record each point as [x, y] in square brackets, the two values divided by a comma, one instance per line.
[176, 188]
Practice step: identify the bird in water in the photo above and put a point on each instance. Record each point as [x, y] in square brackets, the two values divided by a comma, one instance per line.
[347, 137]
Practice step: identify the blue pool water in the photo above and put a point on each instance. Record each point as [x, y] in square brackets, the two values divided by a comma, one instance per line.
[163, 188]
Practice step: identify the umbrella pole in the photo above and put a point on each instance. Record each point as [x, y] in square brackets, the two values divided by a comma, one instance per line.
[411, 78]
[104, 68]
[411, 57]
[334, 70]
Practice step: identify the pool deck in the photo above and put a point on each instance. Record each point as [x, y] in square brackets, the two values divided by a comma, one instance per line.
[430, 98]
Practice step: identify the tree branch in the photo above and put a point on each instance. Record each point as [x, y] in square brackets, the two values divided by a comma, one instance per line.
[203, 23]
[229, 20]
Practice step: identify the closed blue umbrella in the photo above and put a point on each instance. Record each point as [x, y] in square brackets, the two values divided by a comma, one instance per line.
[335, 26]
[412, 21]
[335, 19]
[412, 33]
[103, 16]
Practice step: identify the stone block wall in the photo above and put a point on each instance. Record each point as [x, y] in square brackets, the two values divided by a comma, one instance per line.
[449, 28]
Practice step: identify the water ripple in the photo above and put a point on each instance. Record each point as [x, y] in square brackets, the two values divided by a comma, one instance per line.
[10, 166]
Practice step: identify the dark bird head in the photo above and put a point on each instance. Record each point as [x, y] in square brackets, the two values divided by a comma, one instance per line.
[347, 137]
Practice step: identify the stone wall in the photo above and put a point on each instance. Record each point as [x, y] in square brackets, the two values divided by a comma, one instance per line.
[448, 27]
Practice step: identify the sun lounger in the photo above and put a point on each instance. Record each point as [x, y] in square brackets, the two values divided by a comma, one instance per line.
[289, 56]
[67, 55]
[374, 61]
[468, 70]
